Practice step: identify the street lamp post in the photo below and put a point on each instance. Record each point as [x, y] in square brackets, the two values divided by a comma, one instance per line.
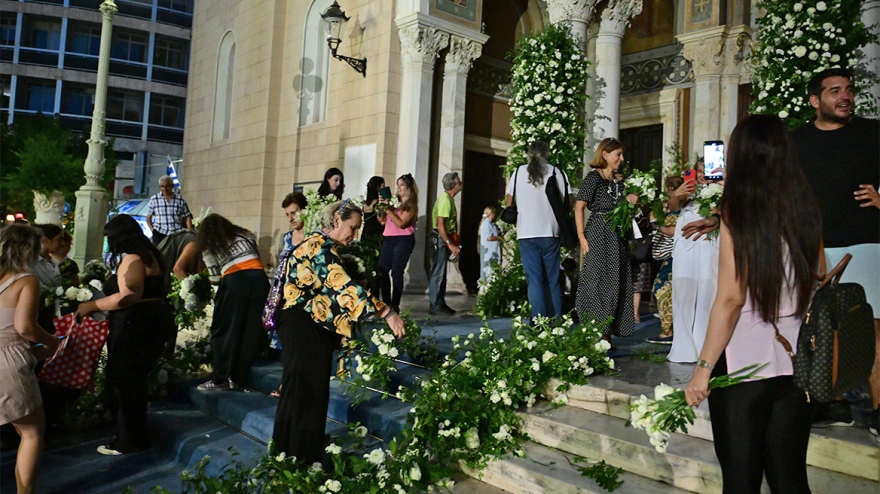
[91, 199]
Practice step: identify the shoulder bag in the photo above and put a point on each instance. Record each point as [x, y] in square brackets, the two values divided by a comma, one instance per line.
[835, 346]
[510, 212]
[561, 205]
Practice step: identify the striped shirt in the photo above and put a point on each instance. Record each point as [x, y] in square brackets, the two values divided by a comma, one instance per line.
[168, 215]
[242, 252]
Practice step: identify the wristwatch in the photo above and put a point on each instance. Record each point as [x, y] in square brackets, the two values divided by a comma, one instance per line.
[706, 365]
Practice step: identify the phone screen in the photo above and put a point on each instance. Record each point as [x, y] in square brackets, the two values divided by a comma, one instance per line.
[713, 154]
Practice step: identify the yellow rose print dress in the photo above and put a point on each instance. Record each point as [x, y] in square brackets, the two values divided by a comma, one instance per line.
[321, 304]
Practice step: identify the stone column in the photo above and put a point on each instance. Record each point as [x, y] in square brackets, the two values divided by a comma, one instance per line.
[609, 45]
[461, 55]
[419, 48]
[871, 17]
[575, 12]
[91, 198]
[716, 58]
[669, 116]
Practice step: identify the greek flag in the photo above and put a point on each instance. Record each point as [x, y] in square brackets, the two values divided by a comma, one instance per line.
[173, 174]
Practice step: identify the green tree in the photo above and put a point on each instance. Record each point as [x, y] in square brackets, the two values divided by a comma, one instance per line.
[39, 154]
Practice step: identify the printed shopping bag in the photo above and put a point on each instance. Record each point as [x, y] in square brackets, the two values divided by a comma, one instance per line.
[74, 364]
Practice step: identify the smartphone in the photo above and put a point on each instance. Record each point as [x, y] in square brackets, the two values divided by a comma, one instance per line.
[385, 192]
[690, 176]
[713, 154]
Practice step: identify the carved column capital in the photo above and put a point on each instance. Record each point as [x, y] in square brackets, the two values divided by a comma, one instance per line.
[570, 10]
[716, 51]
[421, 44]
[108, 8]
[461, 55]
[616, 16]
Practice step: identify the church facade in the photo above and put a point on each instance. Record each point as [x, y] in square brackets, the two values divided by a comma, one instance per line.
[269, 109]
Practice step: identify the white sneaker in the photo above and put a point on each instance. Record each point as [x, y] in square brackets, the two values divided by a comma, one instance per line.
[105, 450]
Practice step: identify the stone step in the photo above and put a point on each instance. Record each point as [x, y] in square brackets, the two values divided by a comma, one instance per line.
[689, 463]
[848, 450]
[546, 470]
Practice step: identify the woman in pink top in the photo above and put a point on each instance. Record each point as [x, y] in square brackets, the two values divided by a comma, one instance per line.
[769, 247]
[400, 238]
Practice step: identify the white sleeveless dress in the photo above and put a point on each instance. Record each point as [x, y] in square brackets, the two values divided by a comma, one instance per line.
[19, 389]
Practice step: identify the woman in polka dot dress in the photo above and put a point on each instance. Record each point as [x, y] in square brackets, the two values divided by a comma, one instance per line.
[605, 288]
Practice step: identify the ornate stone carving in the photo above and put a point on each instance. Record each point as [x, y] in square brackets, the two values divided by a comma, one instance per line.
[49, 210]
[706, 55]
[462, 53]
[490, 77]
[617, 15]
[653, 74]
[420, 44]
[576, 10]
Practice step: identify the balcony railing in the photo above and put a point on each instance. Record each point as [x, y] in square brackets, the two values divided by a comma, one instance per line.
[7, 53]
[38, 56]
[165, 134]
[170, 76]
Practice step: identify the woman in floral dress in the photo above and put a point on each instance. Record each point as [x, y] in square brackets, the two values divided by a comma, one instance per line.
[320, 306]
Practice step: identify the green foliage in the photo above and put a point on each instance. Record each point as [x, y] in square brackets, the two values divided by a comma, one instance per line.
[39, 154]
[549, 90]
[648, 354]
[605, 475]
[190, 298]
[796, 40]
[463, 412]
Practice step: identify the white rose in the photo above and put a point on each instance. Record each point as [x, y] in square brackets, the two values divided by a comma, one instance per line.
[821, 6]
[333, 485]
[799, 51]
[96, 284]
[662, 390]
[71, 293]
[798, 7]
[472, 438]
[547, 356]
[835, 58]
[783, 114]
[83, 295]
[333, 449]
[376, 457]
[59, 291]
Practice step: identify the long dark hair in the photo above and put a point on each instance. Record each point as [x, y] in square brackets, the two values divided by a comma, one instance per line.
[216, 233]
[373, 189]
[769, 207]
[125, 236]
[324, 189]
[538, 152]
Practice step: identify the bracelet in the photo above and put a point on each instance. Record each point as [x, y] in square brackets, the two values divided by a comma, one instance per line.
[706, 365]
[390, 313]
[447, 241]
[717, 217]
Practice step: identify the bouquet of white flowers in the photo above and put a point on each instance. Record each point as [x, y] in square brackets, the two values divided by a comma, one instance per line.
[668, 412]
[708, 198]
[642, 184]
[94, 270]
[311, 215]
[193, 293]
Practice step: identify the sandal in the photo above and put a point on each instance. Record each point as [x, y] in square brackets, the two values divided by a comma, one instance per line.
[276, 393]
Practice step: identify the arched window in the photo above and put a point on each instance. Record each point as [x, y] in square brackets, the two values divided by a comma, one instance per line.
[223, 87]
[312, 78]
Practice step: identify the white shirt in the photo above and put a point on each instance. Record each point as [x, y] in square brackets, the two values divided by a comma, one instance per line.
[535, 217]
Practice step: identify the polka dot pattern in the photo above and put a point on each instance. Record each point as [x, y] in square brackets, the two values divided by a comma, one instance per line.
[76, 361]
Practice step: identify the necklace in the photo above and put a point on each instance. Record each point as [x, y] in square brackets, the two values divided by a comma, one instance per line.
[613, 189]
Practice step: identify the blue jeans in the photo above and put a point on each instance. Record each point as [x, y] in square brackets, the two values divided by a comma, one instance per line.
[540, 258]
[437, 280]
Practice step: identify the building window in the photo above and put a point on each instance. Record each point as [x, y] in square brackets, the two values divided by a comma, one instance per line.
[125, 106]
[315, 64]
[128, 46]
[223, 88]
[7, 29]
[41, 97]
[77, 100]
[170, 53]
[5, 91]
[45, 35]
[85, 40]
[166, 111]
[178, 5]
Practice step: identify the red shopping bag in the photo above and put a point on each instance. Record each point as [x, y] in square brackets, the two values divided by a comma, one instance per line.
[74, 364]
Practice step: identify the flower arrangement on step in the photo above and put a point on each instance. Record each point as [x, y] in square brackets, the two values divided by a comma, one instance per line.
[190, 297]
[505, 292]
[796, 40]
[463, 414]
[642, 184]
[95, 269]
[708, 198]
[376, 358]
[668, 412]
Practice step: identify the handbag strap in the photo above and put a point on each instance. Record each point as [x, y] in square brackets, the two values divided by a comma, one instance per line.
[515, 175]
[784, 341]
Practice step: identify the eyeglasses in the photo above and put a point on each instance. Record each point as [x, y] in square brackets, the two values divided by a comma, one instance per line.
[342, 206]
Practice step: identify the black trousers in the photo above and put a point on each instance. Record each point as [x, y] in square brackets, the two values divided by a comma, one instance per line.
[157, 238]
[392, 263]
[237, 333]
[307, 355]
[761, 428]
[136, 338]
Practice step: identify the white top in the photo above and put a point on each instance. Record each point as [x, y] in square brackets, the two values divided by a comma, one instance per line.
[535, 217]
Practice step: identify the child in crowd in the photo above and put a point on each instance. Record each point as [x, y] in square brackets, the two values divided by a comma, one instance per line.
[490, 242]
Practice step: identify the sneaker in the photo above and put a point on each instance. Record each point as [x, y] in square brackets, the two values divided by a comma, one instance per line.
[657, 315]
[107, 451]
[834, 414]
[210, 385]
[874, 426]
[660, 340]
[443, 309]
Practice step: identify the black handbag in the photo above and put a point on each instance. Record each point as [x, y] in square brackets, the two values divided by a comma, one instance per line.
[510, 212]
[561, 205]
[835, 347]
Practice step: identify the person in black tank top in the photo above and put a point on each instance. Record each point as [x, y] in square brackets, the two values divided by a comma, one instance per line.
[140, 326]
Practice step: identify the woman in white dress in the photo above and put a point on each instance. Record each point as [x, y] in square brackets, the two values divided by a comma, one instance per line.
[695, 272]
[490, 242]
